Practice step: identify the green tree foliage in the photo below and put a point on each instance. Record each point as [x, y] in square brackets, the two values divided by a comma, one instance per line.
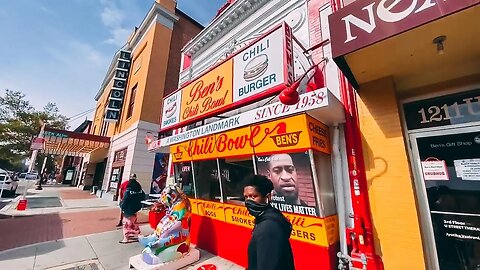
[20, 122]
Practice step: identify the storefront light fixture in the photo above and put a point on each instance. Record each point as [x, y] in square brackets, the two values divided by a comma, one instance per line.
[439, 42]
[290, 96]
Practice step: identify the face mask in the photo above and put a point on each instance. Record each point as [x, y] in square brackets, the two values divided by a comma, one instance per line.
[255, 209]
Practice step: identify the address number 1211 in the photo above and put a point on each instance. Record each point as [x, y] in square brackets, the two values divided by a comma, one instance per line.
[445, 112]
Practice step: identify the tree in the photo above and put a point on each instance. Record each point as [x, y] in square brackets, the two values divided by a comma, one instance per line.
[20, 122]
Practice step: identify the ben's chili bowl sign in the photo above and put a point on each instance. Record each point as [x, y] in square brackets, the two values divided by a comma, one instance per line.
[257, 71]
[284, 134]
[308, 101]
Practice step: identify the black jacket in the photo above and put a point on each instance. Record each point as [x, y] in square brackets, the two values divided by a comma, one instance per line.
[269, 248]
[132, 201]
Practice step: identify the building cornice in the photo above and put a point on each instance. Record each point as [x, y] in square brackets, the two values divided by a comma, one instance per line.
[232, 15]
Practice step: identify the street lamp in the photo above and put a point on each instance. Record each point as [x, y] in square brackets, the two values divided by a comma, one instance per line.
[290, 96]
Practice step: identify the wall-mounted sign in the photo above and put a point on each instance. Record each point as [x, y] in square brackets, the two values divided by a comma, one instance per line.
[314, 230]
[444, 110]
[308, 101]
[115, 101]
[365, 22]
[434, 169]
[55, 134]
[282, 135]
[37, 144]
[255, 72]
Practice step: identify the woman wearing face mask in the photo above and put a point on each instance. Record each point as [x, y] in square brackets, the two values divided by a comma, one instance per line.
[269, 247]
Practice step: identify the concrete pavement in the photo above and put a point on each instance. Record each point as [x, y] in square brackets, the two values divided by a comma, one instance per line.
[101, 250]
[79, 233]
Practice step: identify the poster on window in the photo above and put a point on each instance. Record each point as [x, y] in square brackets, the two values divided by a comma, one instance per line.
[159, 175]
[434, 169]
[468, 169]
[292, 179]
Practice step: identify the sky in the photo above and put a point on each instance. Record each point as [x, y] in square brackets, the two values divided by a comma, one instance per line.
[59, 50]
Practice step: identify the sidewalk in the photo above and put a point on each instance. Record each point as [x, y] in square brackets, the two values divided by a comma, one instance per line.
[69, 229]
[96, 251]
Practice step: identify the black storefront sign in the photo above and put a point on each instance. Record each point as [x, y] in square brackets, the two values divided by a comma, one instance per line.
[444, 110]
[117, 93]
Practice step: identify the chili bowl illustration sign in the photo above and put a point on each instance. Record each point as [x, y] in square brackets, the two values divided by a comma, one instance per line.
[171, 110]
[264, 65]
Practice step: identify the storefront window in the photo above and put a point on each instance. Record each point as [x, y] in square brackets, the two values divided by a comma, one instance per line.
[450, 170]
[325, 190]
[184, 177]
[232, 172]
[207, 184]
[292, 179]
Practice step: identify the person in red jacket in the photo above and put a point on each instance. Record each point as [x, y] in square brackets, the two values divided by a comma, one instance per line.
[121, 193]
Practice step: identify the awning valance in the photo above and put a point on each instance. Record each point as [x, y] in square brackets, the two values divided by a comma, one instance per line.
[64, 142]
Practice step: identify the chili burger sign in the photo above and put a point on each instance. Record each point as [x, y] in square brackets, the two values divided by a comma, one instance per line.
[256, 71]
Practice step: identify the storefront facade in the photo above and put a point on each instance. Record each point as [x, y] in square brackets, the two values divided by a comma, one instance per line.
[140, 74]
[414, 68]
[227, 121]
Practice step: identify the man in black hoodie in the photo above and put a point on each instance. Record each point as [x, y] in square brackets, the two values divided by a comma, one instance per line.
[269, 247]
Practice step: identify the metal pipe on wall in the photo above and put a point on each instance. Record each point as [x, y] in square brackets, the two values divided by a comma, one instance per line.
[340, 198]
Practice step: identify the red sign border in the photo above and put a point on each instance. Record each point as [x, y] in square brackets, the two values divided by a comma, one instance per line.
[246, 101]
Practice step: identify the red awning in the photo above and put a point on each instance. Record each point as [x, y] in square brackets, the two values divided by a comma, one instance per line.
[64, 142]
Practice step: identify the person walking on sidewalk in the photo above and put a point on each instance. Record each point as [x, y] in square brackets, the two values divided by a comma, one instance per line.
[130, 205]
[269, 247]
[121, 192]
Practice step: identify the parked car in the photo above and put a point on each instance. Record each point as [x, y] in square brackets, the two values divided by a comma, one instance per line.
[28, 176]
[8, 185]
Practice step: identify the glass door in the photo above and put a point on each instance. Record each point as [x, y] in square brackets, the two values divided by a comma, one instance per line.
[447, 170]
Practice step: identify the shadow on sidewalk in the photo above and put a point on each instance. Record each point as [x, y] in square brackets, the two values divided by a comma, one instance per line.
[25, 230]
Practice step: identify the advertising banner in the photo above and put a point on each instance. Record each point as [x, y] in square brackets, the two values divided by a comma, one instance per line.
[256, 71]
[313, 230]
[319, 135]
[159, 174]
[280, 136]
[291, 175]
[308, 101]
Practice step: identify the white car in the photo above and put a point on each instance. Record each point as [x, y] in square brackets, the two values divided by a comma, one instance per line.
[28, 176]
[7, 185]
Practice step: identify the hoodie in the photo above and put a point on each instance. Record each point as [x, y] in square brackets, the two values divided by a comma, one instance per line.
[132, 201]
[269, 247]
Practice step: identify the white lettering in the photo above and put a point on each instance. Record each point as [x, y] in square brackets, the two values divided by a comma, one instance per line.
[366, 26]
[387, 16]
[384, 13]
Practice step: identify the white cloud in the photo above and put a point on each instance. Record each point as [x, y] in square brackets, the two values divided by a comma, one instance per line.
[119, 37]
[114, 19]
[47, 10]
[112, 16]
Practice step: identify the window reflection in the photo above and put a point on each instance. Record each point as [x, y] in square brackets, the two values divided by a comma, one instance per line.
[206, 179]
[232, 172]
[184, 177]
